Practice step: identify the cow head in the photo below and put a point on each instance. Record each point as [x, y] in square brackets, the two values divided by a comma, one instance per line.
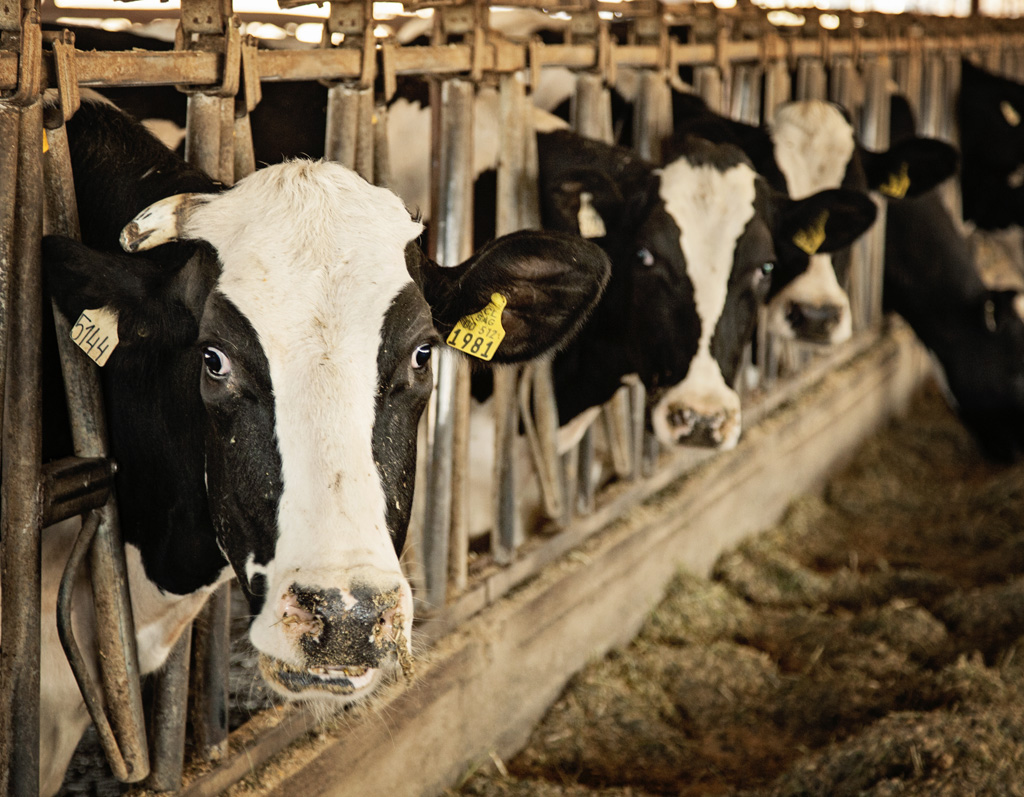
[814, 148]
[300, 327]
[693, 258]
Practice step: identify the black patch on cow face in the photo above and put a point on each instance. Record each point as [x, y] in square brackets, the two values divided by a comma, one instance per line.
[754, 265]
[243, 464]
[664, 329]
[404, 383]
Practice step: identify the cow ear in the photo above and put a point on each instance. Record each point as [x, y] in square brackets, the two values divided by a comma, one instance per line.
[139, 290]
[542, 285]
[909, 168]
[826, 221]
[582, 201]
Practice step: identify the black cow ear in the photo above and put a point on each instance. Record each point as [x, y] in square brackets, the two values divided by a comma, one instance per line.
[139, 290]
[582, 201]
[541, 285]
[909, 168]
[826, 221]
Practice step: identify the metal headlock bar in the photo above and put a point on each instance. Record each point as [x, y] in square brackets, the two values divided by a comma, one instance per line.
[740, 64]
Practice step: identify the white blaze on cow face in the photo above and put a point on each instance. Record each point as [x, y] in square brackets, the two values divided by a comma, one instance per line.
[712, 208]
[313, 257]
[813, 145]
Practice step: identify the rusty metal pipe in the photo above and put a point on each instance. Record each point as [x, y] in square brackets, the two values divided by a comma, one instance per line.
[73, 486]
[21, 486]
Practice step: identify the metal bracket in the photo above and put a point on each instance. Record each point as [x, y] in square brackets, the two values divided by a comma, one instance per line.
[28, 43]
[204, 36]
[67, 74]
[354, 21]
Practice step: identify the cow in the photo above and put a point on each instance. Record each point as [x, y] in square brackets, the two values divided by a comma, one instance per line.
[975, 332]
[692, 252]
[810, 146]
[989, 111]
[274, 357]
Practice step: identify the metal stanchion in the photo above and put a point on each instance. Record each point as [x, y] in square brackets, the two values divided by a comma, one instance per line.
[453, 217]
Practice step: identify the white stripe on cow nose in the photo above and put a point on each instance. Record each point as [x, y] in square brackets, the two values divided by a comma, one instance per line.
[702, 410]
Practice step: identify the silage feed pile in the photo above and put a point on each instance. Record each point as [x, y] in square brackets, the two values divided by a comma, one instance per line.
[871, 644]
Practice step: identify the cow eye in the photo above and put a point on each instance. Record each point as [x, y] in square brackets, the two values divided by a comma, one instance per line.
[218, 364]
[421, 357]
[767, 268]
[645, 258]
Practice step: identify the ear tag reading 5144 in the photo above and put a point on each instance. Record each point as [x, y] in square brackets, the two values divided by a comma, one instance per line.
[898, 184]
[95, 333]
[811, 238]
[480, 334]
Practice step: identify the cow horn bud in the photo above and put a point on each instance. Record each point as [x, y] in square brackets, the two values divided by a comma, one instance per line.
[160, 223]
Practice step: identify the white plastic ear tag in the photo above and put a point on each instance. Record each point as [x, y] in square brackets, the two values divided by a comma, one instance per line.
[1010, 114]
[590, 221]
[480, 334]
[95, 333]
[811, 238]
[898, 184]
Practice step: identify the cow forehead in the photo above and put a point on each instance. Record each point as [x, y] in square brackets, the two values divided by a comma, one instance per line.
[712, 207]
[813, 146]
[301, 235]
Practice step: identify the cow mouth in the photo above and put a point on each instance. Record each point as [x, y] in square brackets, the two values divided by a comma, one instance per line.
[345, 681]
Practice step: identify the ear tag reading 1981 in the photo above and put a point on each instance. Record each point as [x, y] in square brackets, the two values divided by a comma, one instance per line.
[811, 238]
[480, 334]
[95, 333]
[590, 221]
[898, 184]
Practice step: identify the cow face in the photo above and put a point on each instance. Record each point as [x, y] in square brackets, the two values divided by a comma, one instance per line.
[814, 149]
[310, 325]
[692, 256]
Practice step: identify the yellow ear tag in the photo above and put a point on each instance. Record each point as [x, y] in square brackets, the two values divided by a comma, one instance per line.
[811, 238]
[590, 221]
[95, 333]
[46, 143]
[898, 184]
[480, 334]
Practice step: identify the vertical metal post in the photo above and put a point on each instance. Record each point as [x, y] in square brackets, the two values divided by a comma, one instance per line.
[115, 627]
[932, 100]
[592, 113]
[167, 731]
[845, 83]
[9, 122]
[350, 137]
[22, 452]
[810, 79]
[746, 95]
[707, 84]
[453, 219]
[869, 254]
[652, 117]
[516, 204]
[777, 87]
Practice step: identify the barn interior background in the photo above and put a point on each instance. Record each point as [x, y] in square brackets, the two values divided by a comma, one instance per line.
[506, 615]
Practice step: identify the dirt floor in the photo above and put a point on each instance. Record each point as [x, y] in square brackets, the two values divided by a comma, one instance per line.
[871, 644]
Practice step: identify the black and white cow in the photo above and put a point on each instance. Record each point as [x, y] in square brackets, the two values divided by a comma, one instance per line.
[810, 146]
[975, 332]
[274, 359]
[989, 112]
[692, 254]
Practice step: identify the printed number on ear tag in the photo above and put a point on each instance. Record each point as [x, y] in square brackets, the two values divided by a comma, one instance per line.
[95, 333]
[898, 184]
[811, 238]
[480, 334]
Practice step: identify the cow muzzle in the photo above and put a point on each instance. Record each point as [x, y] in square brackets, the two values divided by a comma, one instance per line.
[342, 641]
[815, 323]
[682, 418]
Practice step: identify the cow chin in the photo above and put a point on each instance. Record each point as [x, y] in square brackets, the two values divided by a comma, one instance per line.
[334, 686]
